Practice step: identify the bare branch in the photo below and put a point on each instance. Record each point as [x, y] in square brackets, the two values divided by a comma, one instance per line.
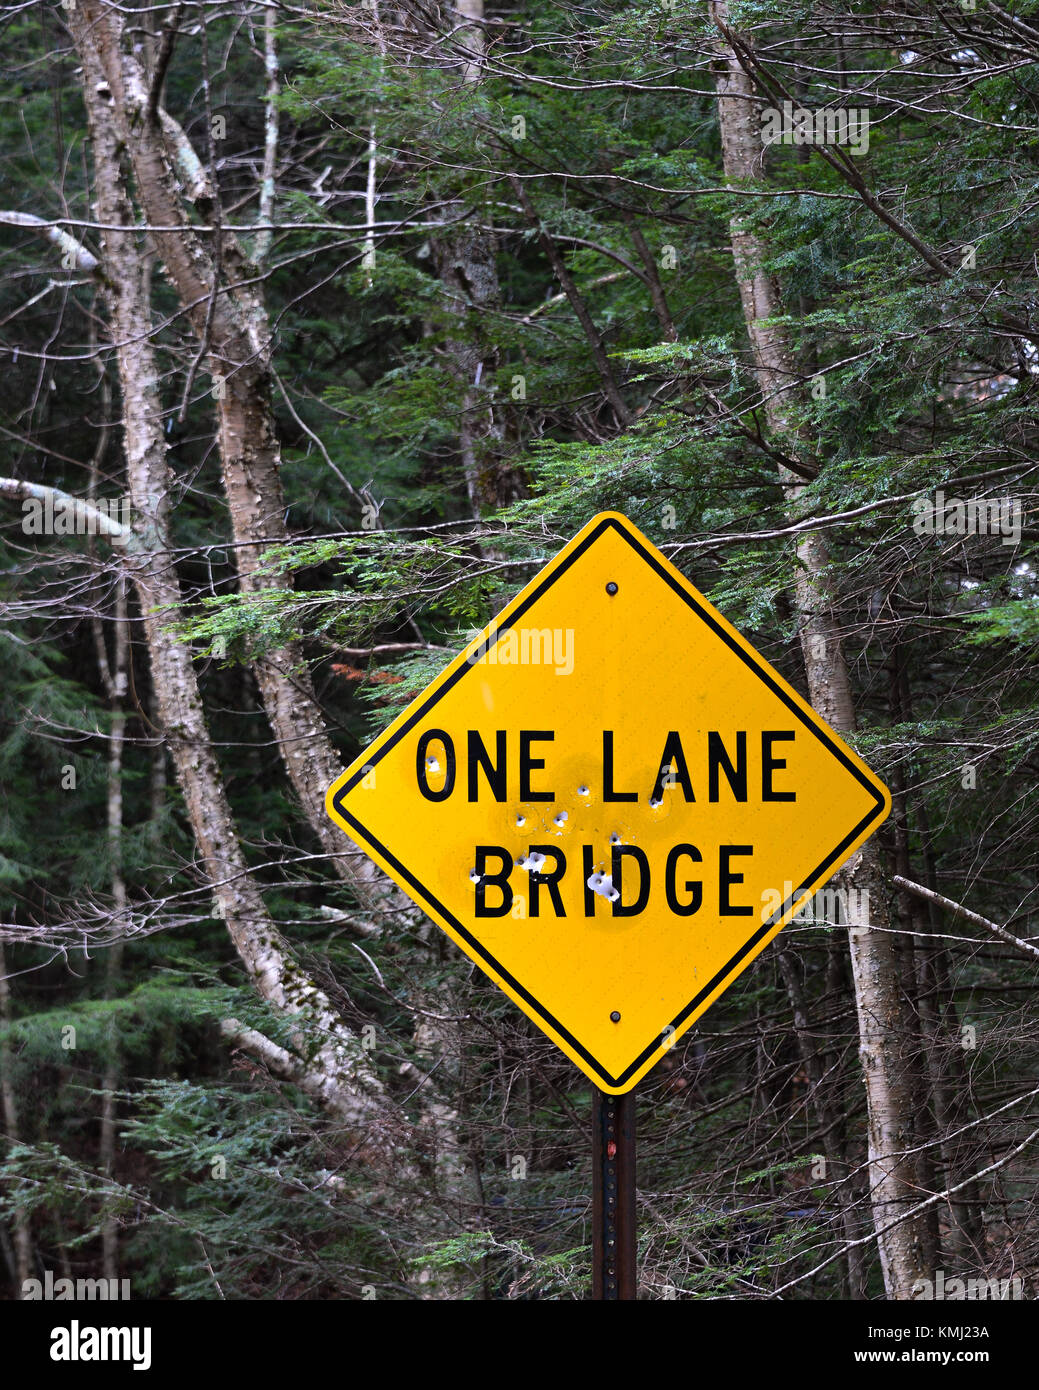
[74, 255]
[958, 910]
[86, 516]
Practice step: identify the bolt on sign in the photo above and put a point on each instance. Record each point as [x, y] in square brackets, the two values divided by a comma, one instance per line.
[610, 802]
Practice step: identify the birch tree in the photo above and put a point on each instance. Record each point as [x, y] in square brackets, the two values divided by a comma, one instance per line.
[884, 1032]
[328, 1060]
[220, 290]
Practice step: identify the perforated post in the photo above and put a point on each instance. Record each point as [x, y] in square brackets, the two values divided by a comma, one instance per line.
[613, 1196]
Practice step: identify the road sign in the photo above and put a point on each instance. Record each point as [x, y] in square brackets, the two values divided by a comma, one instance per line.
[610, 802]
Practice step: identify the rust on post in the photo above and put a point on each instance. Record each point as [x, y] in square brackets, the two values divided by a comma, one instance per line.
[613, 1197]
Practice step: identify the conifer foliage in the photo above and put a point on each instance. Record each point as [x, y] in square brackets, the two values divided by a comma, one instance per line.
[322, 328]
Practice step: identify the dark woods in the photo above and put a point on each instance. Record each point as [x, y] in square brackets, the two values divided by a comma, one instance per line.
[322, 329]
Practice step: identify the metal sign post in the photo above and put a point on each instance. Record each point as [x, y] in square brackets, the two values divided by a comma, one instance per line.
[613, 1197]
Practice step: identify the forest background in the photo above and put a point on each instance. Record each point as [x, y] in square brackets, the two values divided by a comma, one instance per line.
[336, 321]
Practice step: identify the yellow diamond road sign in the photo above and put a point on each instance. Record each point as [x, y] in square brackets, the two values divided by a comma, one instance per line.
[610, 802]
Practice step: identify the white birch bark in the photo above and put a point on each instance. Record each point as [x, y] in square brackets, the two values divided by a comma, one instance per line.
[330, 1063]
[234, 333]
[884, 1036]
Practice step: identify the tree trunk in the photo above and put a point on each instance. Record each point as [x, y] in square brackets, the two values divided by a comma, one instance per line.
[9, 1104]
[331, 1066]
[466, 261]
[946, 1075]
[884, 1041]
[234, 333]
[114, 677]
[838, 1169]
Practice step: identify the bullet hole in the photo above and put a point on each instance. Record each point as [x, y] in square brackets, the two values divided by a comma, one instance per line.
[561, 819]
[603, 885]
[532, 863]
[582, 791]
[521, 820]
